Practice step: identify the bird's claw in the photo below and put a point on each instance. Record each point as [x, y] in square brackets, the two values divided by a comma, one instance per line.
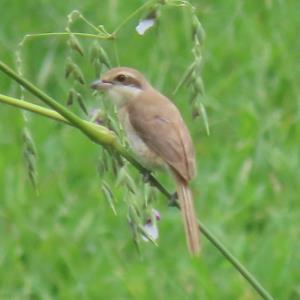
[147, 177]
[173, 200]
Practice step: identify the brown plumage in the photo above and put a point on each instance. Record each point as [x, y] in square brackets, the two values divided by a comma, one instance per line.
[158, 135]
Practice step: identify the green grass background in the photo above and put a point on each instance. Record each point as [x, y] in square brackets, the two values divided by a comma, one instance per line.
[66, 243]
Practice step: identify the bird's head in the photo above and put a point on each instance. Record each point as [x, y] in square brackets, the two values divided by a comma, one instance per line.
[122, 84]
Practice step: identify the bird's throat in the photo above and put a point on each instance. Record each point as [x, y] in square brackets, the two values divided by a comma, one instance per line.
[121, 95]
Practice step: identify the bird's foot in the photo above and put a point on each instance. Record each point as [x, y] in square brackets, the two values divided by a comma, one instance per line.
[147, 177]
[173, 201]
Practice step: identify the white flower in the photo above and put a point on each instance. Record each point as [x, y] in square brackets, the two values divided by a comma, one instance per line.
[151, 226]
[144, 25]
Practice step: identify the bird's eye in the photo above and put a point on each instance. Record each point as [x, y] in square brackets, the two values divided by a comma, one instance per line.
[121, 78]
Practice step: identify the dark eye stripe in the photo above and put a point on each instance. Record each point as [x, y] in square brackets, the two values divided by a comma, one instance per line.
[127, 80]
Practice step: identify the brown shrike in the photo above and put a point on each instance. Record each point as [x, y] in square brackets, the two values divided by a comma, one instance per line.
[157, 134]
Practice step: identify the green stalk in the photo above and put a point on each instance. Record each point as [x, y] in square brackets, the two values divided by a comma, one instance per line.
[51, 114]
[104, 137]
[91, 132]
[58, 34]
[45, 112]
[234, 261]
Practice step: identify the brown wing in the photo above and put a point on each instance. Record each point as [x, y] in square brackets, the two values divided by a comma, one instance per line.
[159, 123]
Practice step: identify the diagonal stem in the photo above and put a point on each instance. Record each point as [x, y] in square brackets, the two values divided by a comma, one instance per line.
[104, 137]
[235, 262]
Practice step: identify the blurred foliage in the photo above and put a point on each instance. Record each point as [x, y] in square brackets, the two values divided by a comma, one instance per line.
[66, 243]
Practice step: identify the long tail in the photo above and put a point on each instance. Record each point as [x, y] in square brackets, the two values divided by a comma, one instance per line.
[189, 215]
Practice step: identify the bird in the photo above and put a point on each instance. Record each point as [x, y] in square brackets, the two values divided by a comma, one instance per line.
[157, 134]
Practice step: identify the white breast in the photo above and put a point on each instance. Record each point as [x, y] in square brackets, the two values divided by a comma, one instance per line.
[147, 157]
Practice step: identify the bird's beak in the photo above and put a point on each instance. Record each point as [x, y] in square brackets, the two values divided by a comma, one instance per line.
[101, 84]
